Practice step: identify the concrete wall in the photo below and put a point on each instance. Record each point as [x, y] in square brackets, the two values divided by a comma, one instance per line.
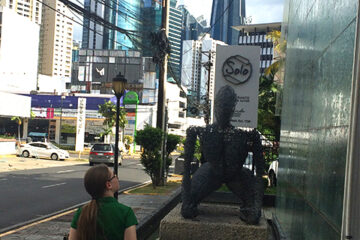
[7, 147]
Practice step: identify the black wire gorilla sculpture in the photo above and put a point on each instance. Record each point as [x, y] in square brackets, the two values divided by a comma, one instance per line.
[224, 150]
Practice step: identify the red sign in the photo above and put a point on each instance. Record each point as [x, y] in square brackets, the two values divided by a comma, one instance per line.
[50, 113]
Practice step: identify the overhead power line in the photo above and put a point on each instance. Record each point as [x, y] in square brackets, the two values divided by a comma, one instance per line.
[95, 32]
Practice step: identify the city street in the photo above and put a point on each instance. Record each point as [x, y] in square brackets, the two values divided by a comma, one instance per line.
[32, 193]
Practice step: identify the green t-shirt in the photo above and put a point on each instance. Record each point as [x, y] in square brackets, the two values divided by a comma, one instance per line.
[113, 217]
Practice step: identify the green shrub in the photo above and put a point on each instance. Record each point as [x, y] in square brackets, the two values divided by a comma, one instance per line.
[150, 140]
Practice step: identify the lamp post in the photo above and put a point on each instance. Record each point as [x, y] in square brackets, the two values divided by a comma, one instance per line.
[118, 85]
[61, 108]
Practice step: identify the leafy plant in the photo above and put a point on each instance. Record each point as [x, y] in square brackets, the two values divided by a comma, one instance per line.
[280, 50]
[269, 123]
[197, 152]
[108, 111]
[150, 139]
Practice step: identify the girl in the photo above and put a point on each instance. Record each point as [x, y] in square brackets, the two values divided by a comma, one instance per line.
[103, 217]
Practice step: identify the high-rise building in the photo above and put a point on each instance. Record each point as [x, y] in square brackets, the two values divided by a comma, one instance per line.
[224, 15]
[94, 35]
[195, 76]
[175, 24]
[192, 27]
[28, 8]
[123, 14]
[255, 35]
[56, 40]
[19, 40]
[18, 52]
[150, 23]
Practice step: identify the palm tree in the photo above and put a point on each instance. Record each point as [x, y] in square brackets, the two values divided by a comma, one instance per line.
[280, 52]
[18, 120]
[108, 111]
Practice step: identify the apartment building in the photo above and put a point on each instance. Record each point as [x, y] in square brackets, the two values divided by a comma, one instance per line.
[255, 35]
[56, 39]
[28, 8]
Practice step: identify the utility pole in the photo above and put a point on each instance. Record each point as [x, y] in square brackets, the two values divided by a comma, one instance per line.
[163, 69]
[160, 119]
[208, 66]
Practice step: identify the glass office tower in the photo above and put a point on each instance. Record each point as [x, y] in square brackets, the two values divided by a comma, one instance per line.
[224, 15]
[317, 192]
[123, 14]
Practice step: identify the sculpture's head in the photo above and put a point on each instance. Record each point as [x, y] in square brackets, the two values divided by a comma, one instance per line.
[224, 105]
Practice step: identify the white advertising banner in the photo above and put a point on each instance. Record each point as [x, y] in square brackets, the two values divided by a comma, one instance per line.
[238, 67]
[80, 124]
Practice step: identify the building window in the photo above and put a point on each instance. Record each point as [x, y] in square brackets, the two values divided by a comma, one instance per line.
[175, 126]
[181, 105]
[181, 114]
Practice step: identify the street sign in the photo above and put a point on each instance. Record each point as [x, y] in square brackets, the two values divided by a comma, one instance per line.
[238, 67]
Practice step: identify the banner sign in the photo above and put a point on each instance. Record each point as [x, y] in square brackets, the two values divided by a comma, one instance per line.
[80, 124]
[239, 67]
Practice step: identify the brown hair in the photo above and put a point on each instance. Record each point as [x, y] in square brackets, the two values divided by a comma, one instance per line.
[95, 184]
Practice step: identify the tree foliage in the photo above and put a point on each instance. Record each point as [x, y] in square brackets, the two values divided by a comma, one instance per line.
[268, 122]
[108, 111]
[280, 52]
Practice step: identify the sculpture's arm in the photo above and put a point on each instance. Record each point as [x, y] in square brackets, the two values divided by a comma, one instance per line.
[191, 136]
[257, 153]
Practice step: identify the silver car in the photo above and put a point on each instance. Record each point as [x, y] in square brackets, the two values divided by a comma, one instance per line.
[42, 150]
[103, 153]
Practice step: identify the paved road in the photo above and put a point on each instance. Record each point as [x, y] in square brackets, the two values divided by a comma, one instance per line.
[28, 194]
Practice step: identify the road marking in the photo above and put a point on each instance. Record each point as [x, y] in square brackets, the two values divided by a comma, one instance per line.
[53, 185]
[65, 171]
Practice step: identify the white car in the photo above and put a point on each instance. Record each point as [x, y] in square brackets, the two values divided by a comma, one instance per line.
[42, 150]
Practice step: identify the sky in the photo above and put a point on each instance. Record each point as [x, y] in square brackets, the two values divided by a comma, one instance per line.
[260, 11]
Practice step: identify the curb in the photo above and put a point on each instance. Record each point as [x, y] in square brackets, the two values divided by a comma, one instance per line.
[152, 222]
[7, 155]
[230, 198]
[54, 215]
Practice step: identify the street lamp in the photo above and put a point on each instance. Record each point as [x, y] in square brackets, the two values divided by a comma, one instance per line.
[118, 85]
[61, 108]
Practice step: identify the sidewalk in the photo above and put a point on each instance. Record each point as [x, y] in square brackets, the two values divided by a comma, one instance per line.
[145, 207]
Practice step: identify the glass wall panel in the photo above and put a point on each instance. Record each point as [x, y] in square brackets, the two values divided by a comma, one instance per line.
[315, 117]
